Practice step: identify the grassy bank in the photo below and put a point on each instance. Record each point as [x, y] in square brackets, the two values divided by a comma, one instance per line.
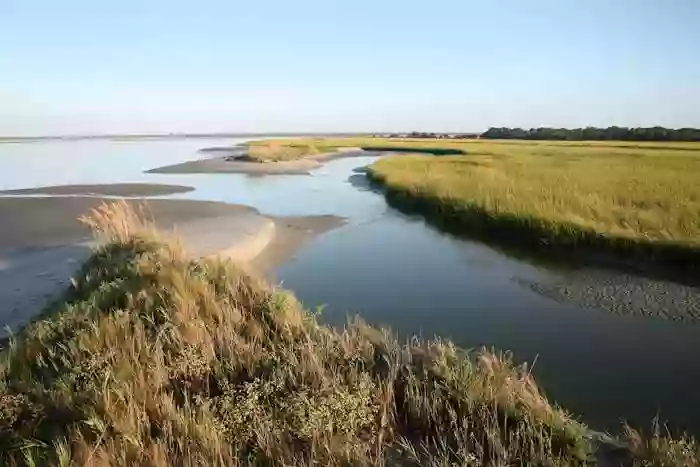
[157, 360]
[640, 205]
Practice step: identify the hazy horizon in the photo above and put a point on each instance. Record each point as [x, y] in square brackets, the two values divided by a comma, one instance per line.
[320, 67]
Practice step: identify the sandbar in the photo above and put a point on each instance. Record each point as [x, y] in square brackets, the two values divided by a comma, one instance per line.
[228, 164]
[42, 244]
[109, 189]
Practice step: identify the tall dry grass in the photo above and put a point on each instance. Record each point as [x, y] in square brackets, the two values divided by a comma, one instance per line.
[118, 222]
[158, 360]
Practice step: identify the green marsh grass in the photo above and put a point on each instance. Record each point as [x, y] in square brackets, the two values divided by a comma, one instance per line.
[642, 205]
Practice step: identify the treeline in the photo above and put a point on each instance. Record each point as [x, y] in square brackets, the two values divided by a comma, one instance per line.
[616, 133]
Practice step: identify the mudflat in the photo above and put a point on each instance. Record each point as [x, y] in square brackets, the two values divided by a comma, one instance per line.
[110, 189]
[42, 222]
[223, 165]
[228, 164]
[42, 243]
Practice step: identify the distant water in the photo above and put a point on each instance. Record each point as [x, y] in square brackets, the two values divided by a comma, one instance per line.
[27, 165]
[396, 271]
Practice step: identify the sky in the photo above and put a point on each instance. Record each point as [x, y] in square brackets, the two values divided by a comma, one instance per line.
[86, 66]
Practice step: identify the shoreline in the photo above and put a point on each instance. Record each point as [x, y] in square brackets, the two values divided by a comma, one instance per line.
[45, 244]
[223, 164]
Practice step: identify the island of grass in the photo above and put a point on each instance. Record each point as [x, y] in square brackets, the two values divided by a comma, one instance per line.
[286, 150]
[293, 149]
[157, 359]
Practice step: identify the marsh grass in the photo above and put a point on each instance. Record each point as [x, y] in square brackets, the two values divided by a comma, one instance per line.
[119, 223]
[285, 150]
[641, 205]
[155, 359]
[660, 449]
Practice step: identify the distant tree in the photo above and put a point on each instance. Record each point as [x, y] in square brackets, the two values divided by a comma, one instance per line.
[518, 133]
[687, 134]
[495, 133]
[592, 134]
[613, 133]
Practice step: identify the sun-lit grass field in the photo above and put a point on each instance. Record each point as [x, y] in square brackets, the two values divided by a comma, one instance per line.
[650, 195]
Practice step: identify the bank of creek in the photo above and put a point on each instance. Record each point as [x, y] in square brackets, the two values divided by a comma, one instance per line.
[605, 345]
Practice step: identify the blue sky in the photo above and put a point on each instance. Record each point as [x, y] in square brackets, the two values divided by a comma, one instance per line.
[166, 65]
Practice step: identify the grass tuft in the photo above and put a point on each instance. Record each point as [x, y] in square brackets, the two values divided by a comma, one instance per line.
[662, 449]
[285, 150]
[117, 222]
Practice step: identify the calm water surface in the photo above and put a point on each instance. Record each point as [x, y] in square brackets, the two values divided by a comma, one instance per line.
[396, 271]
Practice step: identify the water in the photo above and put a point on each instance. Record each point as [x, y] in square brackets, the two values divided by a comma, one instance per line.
[395, 270]
[602, 366]
[27, 165]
